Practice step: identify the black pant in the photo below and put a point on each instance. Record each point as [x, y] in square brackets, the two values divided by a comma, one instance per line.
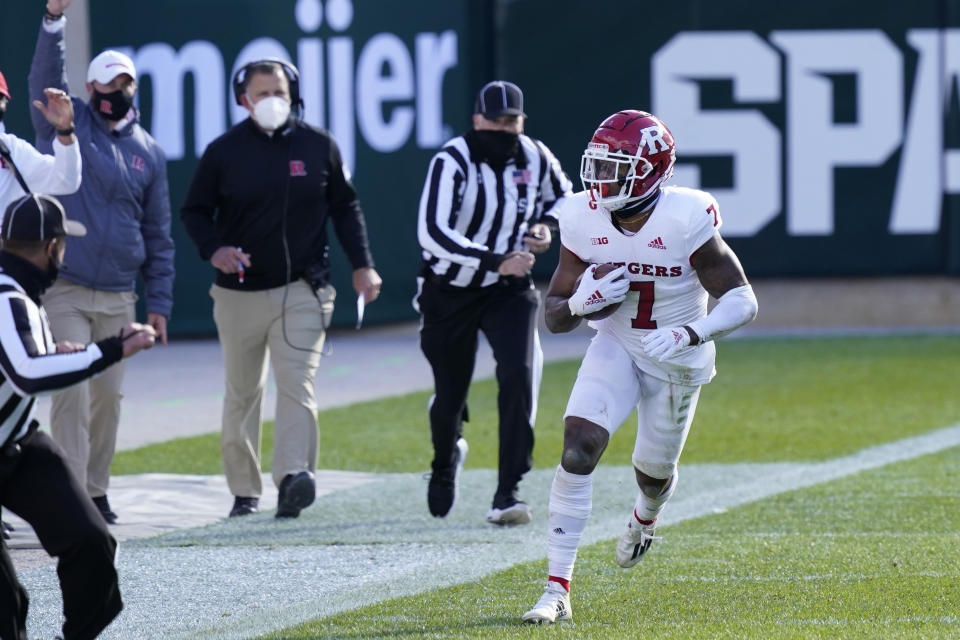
[38, 487]
[507, 314]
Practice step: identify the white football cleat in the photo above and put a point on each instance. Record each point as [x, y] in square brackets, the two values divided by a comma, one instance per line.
[553, 606]
[634, 542]
[517, 513]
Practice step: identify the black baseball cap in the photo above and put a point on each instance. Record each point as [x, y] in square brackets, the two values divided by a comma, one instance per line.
[37, 217]
[499, 98]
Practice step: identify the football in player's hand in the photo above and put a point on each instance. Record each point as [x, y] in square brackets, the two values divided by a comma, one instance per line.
[601, 270]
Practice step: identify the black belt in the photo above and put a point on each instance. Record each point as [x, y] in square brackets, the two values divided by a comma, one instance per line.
[517, 282]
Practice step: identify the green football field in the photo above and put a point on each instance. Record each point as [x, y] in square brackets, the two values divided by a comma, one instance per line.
[868, 553]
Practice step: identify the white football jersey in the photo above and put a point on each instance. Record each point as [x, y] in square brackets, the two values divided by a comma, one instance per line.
[664, 289]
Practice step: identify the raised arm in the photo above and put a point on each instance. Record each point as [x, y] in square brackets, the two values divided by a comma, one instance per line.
[60, 173]
[48, 71]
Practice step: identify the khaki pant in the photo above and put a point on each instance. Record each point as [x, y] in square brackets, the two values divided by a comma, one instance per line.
[251, 325]
[84, 418]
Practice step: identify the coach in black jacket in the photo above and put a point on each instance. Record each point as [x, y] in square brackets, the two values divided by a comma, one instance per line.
[257, 209]
[486, 208]
[35, 482]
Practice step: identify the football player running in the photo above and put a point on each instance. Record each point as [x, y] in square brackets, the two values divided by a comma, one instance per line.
[655, 351]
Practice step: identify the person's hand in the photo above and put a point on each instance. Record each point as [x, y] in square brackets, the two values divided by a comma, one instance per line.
[227, 259]
[517, 263]
[159, 323]
[58, 110]
[69, 347]
[538, 238]
[367, 282]
[135, 337]
[663, 343]
[593, 295]
[57, 7]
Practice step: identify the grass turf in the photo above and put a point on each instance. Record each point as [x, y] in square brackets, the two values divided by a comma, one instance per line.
[869, 556]
[773, 400]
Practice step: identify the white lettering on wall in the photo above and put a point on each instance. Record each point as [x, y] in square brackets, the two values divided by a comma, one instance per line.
[436, 54]
[747, 135]
[391, 95]
[310, 66]
[815, 146]
[926, 170]
[340, 72]
[384, 132]
[818, 145]
[167, 69]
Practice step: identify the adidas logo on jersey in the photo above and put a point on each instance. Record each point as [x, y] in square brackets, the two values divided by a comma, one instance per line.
[596, 298]
[657, 243]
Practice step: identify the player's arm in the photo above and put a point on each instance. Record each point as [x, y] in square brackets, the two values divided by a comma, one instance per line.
[568, 300]
[562, 285]
[721, 274]
[718, 267]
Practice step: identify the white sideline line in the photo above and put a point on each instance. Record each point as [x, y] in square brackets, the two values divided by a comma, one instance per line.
[240, 580]
[830, 622]
[803, 475]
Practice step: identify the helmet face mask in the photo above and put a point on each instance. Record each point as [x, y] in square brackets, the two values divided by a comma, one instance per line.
[611, 174]
[630, 156]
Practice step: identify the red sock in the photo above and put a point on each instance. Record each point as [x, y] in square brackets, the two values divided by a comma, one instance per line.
[643, 522]
[563, 583]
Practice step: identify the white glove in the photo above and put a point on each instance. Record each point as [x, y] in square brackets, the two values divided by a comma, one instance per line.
[663, 343]
[593, 295]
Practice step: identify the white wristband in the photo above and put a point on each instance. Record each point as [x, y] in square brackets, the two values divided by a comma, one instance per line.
[54, 26]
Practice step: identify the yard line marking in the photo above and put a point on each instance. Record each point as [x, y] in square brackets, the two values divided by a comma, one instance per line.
[371, 543]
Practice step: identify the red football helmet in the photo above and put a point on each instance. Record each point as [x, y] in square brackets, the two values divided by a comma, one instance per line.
[630, 156]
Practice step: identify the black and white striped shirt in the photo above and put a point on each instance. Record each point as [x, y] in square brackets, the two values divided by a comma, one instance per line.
[29, 363]
[471, 215]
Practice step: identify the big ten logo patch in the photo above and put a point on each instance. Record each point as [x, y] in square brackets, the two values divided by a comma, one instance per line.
[137, 163]
[601, 240]
[297, 168]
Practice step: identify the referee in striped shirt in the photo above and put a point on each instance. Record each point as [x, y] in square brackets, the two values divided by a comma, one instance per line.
[35, 482]
[486, 209]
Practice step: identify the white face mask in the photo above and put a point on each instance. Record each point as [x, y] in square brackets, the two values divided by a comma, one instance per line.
[271, 113]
